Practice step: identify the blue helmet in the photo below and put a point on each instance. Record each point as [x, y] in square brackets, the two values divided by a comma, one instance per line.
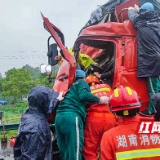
[80, 74]
[148, 6]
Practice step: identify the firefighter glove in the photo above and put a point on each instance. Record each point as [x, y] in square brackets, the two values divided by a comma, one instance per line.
[60, 97]
[104, 100]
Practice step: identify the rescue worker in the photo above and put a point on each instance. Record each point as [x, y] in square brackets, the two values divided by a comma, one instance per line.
[34, 139]
[99, 119]
[147, 23]
[83, 60]
[123, 142]
[107, 77]
[71, 116]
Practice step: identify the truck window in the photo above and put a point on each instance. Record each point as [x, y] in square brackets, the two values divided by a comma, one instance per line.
[105, 59]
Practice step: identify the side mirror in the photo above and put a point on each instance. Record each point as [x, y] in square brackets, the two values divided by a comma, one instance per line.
[46, 70]
[52, 53]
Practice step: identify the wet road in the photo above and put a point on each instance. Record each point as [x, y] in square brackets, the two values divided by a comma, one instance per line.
[6, 152]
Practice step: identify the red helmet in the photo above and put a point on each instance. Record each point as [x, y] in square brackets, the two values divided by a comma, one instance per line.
[92, 79]
[124, 98]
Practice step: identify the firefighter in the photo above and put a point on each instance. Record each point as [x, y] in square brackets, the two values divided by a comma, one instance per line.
[71, 116]
[147, 23]
[123, 142]
[99, 119]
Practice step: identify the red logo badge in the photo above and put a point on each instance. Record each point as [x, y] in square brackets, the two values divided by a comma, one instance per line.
[149, 127]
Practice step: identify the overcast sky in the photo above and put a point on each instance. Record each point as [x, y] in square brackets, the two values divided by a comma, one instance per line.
[23, 39]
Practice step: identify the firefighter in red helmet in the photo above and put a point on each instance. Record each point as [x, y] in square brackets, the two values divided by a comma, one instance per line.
[123, 142]
[99, 119]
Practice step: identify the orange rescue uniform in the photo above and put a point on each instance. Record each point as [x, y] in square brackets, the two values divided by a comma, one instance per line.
[99, 120]
[122, 143]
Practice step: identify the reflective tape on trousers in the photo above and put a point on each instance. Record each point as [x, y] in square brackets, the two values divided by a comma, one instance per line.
[140, 153]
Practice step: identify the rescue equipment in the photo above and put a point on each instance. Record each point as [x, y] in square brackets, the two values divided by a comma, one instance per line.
[12, 141]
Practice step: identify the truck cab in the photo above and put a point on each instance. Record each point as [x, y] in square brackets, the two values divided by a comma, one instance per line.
[112, 45]
[119, 42]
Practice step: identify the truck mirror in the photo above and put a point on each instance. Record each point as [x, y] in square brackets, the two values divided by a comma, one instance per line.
[52, 53]
[46, 70]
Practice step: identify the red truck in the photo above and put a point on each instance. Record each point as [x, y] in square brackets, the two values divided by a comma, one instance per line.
[118, 42]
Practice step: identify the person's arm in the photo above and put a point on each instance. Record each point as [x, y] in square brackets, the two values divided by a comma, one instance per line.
[133, 15]
[85, 93]
[107, 74]
[59, 59]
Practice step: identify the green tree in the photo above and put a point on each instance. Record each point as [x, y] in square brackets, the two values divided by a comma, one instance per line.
[1, 76]
[17, 83]
[43, 81]
[34, 71]
[1, 82]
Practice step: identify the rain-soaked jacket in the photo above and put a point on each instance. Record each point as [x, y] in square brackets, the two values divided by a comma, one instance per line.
[147, 23]
[33, 141]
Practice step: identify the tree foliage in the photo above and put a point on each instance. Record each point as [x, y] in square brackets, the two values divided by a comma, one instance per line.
[33, 71]
[17, 82]
[43, 81]
[1, 82]
[1, 76]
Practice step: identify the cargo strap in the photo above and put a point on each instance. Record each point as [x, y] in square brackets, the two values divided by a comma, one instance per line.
[100, 114]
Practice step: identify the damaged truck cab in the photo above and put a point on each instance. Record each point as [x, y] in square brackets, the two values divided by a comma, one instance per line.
[113, 44]
[120, 44]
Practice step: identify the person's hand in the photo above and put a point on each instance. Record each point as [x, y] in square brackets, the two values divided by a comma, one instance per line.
[136, 7]
[104, 100]
[131, 8]
[57, 58]
[60, 97]
[97, 74]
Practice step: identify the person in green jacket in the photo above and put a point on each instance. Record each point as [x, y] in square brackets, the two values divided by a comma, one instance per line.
[71, 116]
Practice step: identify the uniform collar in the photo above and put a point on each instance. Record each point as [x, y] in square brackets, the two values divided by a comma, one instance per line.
[135, 119]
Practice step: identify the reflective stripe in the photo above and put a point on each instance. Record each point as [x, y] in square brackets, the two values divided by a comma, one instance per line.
[77, 134]
[100, 114]
[140, 153]
[99, 90]
[129, 91]
[116, 92]
[150, 82]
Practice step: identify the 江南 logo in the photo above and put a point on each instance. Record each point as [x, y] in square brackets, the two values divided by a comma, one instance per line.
[149, 127]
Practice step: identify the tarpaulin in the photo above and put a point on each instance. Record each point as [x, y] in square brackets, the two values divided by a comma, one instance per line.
[33, 141]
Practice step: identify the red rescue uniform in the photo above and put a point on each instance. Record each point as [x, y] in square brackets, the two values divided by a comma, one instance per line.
[122, 143]
[99, 119]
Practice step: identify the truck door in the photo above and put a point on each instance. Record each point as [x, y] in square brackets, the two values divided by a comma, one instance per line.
[65, 75]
